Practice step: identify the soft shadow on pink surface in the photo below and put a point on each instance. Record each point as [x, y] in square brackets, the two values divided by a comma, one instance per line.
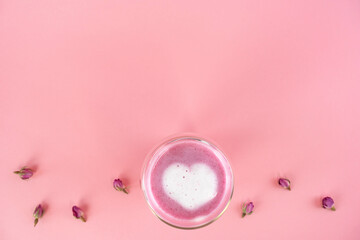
[85, 206]
[317, 202]
[46, 206]
[236, 142]
[33, 162]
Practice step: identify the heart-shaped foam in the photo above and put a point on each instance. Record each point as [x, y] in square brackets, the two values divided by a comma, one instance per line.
[191, 186]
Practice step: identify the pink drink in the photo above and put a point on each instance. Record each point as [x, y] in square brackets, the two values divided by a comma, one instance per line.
[187, 182]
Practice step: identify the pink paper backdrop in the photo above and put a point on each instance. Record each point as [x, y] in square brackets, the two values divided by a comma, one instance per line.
[87, 88]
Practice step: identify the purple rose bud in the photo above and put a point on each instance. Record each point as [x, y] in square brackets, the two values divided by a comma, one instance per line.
[78, 213]
[38, 213]
[285, 183]
[328, 203]
[24, 173]
[119, 186]
[248, 209]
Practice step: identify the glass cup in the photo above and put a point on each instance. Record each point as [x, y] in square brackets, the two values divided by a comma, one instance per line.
[191, 152]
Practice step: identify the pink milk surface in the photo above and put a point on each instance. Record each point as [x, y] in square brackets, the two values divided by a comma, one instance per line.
[187, 152]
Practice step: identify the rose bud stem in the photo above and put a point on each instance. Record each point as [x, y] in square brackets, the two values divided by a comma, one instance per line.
[38, 213]
[24, 173]
[285, 183]
[328, 203]
[78, 213]
[119, 186]
[248, 209]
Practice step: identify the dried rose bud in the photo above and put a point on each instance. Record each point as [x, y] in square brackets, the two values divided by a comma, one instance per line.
[285, 183]
[247, 209]
[38, 213]
[119, 186]
[24, 173]
[328, 203]
[78, 213]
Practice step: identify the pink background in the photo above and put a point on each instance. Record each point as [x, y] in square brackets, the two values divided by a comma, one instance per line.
[87, 88]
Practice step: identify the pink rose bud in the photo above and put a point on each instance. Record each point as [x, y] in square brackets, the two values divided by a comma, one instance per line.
[328, 203]
[24, 173]
[248, 209]
[78, 213]
[119, 186]
[38, 213]
[285, 183]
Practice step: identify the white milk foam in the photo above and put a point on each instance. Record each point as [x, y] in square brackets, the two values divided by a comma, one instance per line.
[192, 186]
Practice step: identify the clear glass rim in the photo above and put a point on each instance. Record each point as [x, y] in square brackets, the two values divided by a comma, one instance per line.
[178, 138]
